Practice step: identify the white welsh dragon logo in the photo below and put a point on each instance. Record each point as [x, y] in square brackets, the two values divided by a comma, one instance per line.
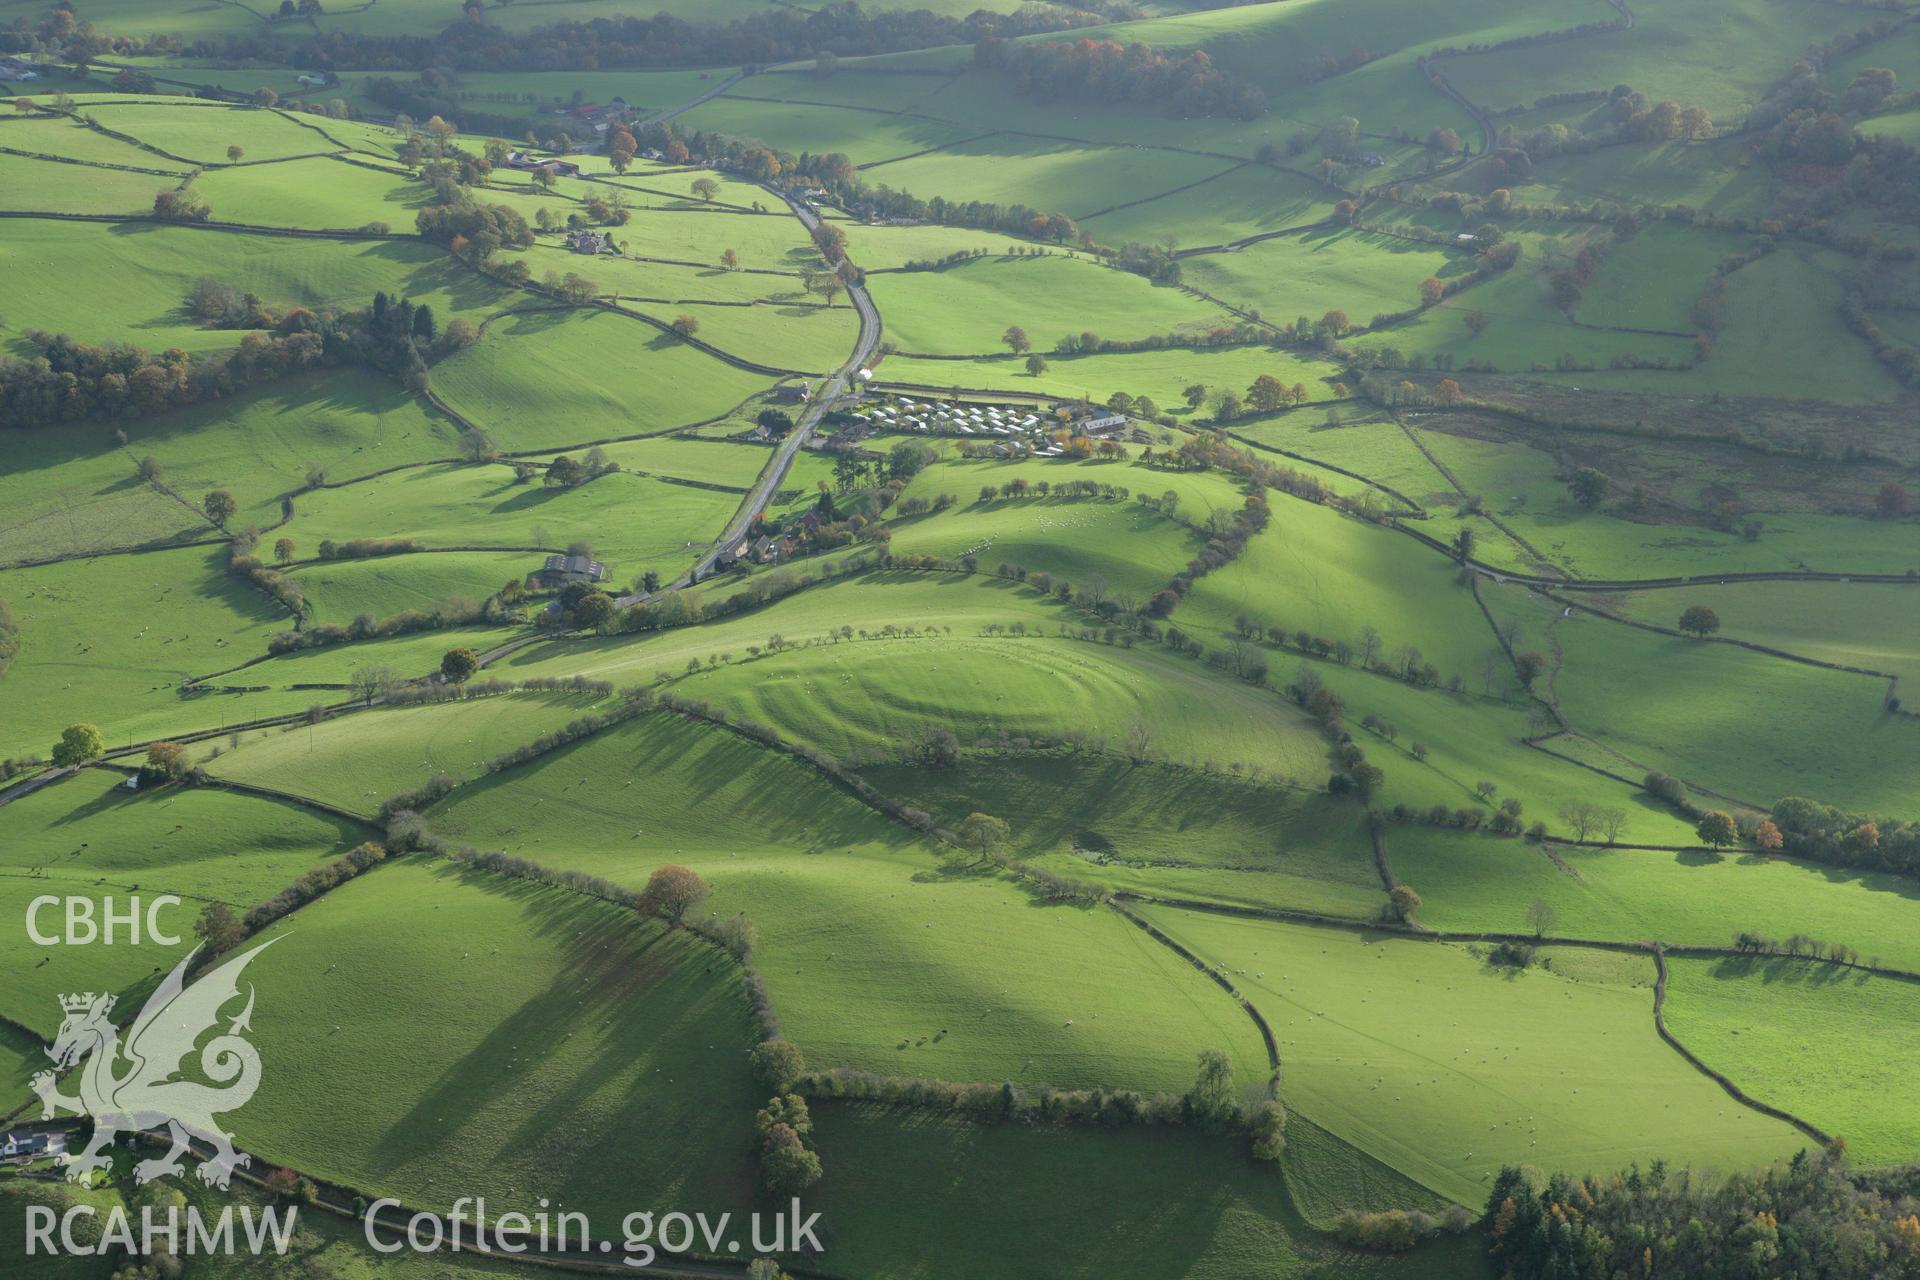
[144, 1093]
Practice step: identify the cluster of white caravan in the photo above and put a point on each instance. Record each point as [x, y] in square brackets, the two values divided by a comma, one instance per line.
[947, 418]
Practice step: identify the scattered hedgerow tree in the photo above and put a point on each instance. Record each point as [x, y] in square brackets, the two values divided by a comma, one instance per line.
[671, 891]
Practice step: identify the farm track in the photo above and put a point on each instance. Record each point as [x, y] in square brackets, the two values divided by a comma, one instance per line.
[1446, 472]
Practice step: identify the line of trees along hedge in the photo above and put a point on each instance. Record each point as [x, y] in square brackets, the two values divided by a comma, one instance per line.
[1110, 72]
[314, 883]
[734, 935]
[437, 787]
[1806, 1218]
[1822, 833]
[71, 381]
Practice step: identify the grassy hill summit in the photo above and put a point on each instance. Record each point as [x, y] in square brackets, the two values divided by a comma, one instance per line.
[1167, 638]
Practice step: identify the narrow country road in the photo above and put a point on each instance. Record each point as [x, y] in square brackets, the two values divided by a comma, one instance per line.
[824, 398]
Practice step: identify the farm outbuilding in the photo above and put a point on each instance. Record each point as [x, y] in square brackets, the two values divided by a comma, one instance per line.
[559, 571]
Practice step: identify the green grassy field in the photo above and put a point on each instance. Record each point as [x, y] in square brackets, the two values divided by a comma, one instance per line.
[48, 186]
[595, 1022]
[1672, 704]
[76, 491]
[1055, 177]
[1097, 1197]
[430, 1032]
[691, 458]
[1864, 625]
[964, 310]
[797, 124]
[1359, 272]
[456, 505]
[1651, 281]
[413, 655]
[1325, 1176]
[1132, 547]
[1162, 375]
[884, 248]
[267, 442]
[88, 837]
[52, 135]
[1485, 884]
[548, 381]
[1675, 51]
[201, 133]
[1159, 830]
[341, 590]
[1333, 575]
[1445, 1067]
[184, 617]
[772, 241]
[1240, 202]
[325, 194]
[875, 957]
[1715, 177]
[358, 761]
[640, 281]
[876, 693]
[1378, 449]
[1820, 1042]
[131, 283]
[806, 339]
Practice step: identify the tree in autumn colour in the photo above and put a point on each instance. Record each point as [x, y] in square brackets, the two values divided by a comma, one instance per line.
[1404, 901]
[166, 761]
[1432, 290]
[1478, 322]
[1865, 837]
[1268, 393]
[1767, 836]
[1447, 391]
[1892, 500]
[458, 666]
[1016, 339]
[671, 891]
